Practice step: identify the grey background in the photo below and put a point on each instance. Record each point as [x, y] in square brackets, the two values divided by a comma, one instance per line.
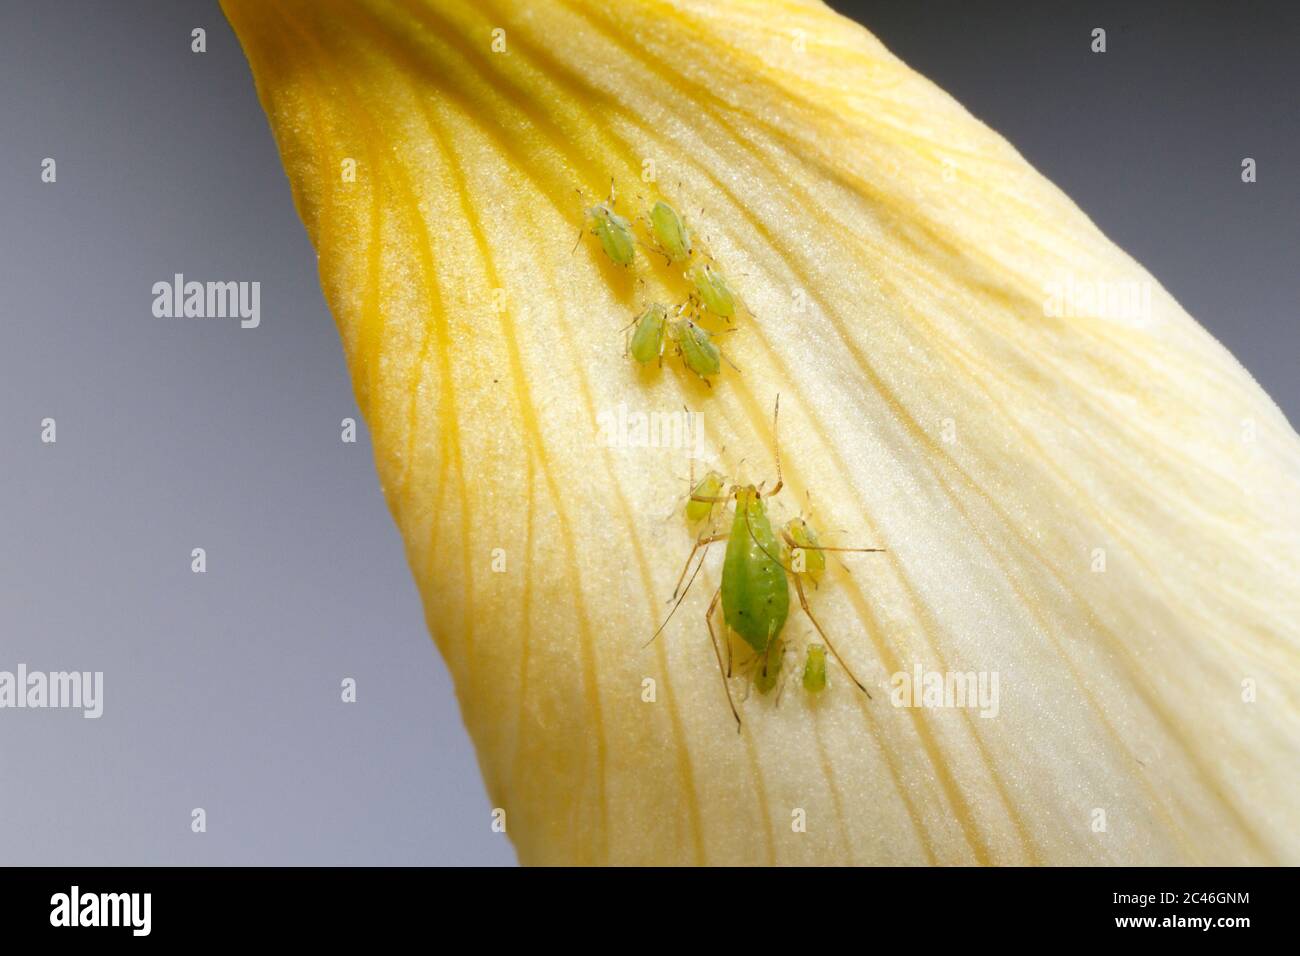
[222, 690]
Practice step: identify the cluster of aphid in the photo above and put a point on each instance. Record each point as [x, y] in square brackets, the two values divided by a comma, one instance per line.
[710, 294]
[760, 562]
[757, 570]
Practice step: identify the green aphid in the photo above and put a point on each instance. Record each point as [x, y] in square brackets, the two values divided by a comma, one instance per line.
[755, 588]
[704, 497]
[614, 233]
[768, 672]
[696, 348]
[648, 337]
[670, 232]
[814, 669]
[713, 290]
[806, 555]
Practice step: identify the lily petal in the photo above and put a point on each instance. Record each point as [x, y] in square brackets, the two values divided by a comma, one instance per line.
[1097, 505]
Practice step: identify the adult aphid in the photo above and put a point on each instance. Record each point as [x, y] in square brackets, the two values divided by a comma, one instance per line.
[613, 231]
[755, 588]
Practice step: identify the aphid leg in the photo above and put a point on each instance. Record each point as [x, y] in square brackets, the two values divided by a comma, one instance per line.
[708, 619]
[818, 547]
[803, 602]
[728, 360]
[668, 260]
[683, 595]
[700, 543]
[744, 305]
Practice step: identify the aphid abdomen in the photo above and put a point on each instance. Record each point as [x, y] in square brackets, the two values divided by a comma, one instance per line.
[755, 590]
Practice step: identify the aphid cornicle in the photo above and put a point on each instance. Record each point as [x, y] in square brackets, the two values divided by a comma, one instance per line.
[670, 232]
[647, 343]
[767, 673]
[814, 669]
[613, 231]
[755, 588]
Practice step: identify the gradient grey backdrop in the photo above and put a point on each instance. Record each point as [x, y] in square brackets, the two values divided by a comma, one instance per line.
[222, 690]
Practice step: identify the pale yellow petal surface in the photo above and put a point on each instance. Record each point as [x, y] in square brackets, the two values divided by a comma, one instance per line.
[898, 258]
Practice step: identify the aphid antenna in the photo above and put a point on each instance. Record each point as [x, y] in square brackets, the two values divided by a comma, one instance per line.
[690, 444]
[776, 446]
[818, 547]
[582, 198]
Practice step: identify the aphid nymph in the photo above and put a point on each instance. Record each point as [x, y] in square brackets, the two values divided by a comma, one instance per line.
[814, 669]
[713, 290]
[704, 496]
[670, 232]
[755, 588]
[695, 345]
[647, 342]
[805, 554]
[613, 231]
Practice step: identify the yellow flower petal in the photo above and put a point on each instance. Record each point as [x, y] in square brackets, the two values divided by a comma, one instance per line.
[948, 391]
